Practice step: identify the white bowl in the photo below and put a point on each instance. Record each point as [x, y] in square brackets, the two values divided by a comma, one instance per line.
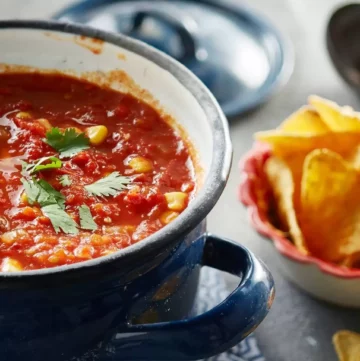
[326, 281]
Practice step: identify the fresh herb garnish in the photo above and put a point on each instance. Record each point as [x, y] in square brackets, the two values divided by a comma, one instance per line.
[67, 143]
[31, 189]
[60, 219]
[109, 185]
[86, 219]
[41, 192]
[55, 163]
[65, 180]
[52, 204]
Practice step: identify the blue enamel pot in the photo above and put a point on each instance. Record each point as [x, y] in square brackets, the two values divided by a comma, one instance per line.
[136, 304]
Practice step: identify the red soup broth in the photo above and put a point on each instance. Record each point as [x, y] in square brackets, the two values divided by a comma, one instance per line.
[123, 135]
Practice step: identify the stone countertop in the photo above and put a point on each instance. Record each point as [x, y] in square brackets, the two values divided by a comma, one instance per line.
[298, 327]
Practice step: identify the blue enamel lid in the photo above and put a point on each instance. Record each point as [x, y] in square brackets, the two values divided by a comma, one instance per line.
[240, 56]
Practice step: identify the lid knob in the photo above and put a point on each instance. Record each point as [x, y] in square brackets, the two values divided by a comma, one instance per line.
[188, 52]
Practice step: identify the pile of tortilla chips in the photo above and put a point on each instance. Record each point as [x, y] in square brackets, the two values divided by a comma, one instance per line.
[314, 174]
[347, 345]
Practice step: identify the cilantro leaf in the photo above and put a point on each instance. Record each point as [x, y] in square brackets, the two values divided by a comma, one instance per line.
[54, 164]
[65, 180]
[38, 166]
[40, 191]
[109, 185]
[60, 219]
[67, 143]
[24, 167]
[52, 204]
[86, 219]
[31, 189]
[49, 195]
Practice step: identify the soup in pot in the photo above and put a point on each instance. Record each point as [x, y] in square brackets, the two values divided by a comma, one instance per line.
[84, 171]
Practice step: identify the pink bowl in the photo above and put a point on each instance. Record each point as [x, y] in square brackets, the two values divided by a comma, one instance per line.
[254, 194]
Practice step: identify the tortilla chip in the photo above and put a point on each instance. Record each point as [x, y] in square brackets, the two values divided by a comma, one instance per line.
[287, 144]
[330, 206]
[354, 157]
[295, 163]
[338, 119]
[281, 181]
[305, 120]
[315, 176]
[347, 345]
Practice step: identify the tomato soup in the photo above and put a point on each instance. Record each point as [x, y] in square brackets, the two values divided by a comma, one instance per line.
[84, 171]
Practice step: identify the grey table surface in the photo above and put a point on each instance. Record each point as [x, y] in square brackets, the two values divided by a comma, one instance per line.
[298, 327]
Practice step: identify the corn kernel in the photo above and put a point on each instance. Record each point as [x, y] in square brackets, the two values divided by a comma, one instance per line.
[31, 251]
[140, 165]
[23, 115]
[8, 237]
[98, 240]
[114, 230]
[168, 217]
[12, 236]
[97, 134]
[58, 256]
[45, 239]
[67, 243]
[38, 248]
[11, 265]
[42, 256]
[45, 123]
[176, 200]
[29, 212]
[129, 229]
[84, 251]
[24, 198]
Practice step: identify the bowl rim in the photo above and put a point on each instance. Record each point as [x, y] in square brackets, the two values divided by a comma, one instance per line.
[166, 238]
[262, 225]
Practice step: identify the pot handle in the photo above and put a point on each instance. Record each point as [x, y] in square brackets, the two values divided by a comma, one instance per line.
[216, 330]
